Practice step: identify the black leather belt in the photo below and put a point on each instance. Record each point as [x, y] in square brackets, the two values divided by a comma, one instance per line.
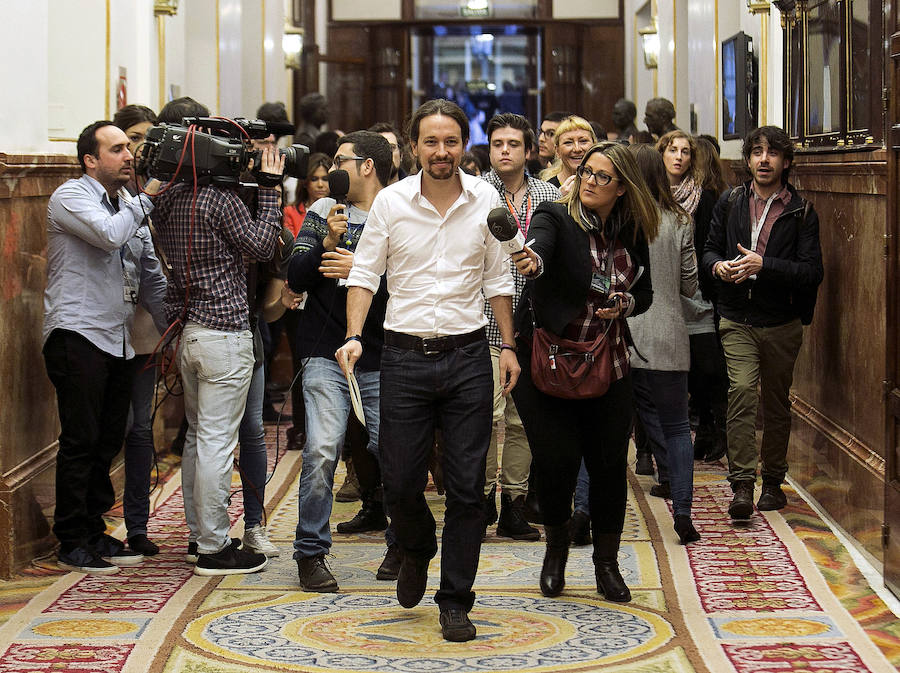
[432, 345]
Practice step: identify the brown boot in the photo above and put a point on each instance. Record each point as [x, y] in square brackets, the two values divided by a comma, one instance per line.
[349, 490]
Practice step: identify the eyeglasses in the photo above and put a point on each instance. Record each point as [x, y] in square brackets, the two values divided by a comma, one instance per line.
[602, 179]
[339, 159]
[547, 132]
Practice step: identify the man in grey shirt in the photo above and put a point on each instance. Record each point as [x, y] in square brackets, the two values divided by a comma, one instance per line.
[100, 264]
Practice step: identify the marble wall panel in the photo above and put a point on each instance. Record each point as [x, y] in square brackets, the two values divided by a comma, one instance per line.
[28, 419]
[29, 424]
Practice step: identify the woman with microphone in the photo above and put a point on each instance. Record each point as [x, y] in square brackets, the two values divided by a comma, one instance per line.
[588, 267]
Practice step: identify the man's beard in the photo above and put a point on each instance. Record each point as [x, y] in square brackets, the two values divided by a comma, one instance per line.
[441, 176]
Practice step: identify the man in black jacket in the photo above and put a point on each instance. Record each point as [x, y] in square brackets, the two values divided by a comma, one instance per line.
[763, 249]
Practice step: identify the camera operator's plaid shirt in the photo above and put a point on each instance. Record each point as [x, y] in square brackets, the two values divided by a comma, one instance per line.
[225, 238]
[538, 191]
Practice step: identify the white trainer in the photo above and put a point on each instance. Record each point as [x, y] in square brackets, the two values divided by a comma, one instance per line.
[256, 539]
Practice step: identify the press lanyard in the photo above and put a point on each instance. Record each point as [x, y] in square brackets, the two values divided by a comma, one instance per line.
[758, 224]
[515, 214]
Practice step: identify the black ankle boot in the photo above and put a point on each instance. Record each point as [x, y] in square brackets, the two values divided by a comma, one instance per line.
[685, 529]
[606, 568]
[553, 571]
[512, 521]
[370, 518]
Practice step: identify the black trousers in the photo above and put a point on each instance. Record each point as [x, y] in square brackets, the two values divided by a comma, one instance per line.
[562, 432]
[454, 392]
[93, 393]
[708, 378]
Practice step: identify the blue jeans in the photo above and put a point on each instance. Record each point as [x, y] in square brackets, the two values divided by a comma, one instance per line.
[253, 457]
[453, 391]
[582, 490]
[326, 397]
[139, 450]
[215, 372]
[661, 399]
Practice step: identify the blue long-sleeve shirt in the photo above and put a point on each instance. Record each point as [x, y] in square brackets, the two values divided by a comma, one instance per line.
[94, 264]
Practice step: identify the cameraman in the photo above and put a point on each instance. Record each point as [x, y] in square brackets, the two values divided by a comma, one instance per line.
[207, 234]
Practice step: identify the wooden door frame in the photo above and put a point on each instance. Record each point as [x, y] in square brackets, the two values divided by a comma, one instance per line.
[891, 526]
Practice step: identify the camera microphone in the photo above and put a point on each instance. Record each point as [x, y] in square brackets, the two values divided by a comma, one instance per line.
[279, 129]
[504, 228]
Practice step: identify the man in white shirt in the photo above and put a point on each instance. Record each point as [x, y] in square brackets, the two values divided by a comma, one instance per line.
[430, 234]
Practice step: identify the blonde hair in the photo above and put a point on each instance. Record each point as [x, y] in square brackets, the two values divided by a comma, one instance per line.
[639, 202]
[695, 169]
[567, 125]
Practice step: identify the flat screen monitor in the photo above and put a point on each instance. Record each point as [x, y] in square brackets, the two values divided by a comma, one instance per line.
[739, 87]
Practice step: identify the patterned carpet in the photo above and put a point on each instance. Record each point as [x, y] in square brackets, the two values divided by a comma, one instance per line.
[779, 594]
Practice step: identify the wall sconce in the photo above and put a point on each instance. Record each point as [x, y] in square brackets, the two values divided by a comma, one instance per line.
[292, 45]
[165, 7]
[790, 11]
[650, 45]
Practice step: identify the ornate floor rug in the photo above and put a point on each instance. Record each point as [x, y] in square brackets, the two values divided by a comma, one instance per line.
[778, 594]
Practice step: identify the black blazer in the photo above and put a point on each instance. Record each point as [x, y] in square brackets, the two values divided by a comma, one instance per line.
[560, 292]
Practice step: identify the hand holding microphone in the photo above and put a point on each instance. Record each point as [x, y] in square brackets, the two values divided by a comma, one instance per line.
[338, 186]
[337, 227]
[504, 228]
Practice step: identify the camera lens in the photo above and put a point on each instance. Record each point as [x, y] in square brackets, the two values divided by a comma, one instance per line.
[296, 158]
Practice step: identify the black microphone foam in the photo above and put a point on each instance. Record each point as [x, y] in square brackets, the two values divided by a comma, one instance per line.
[281, 128]
[502, 225]
[339, 185]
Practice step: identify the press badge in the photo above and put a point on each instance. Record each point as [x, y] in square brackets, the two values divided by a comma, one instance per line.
[130, 292]
[600, 283]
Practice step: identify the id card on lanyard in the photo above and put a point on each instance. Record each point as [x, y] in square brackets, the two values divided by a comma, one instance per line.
[758, 224]
[515, 214]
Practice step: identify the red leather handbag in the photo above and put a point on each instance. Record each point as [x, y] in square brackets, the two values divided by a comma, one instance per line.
[572, 370]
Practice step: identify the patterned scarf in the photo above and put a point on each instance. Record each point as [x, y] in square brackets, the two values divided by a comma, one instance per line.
[687, 193]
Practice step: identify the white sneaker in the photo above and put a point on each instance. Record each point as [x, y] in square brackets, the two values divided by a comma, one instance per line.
[255, 539]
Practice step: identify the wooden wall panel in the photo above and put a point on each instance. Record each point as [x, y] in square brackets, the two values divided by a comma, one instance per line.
[602, 72]
[390, 53]
[561, 67]
[584, 69]
[837, 446]
[348, 82]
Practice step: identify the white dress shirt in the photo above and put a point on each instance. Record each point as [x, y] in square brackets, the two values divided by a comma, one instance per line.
[437, 267]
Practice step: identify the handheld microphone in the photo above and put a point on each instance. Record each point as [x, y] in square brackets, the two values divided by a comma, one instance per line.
[504, 229]
[338, 186]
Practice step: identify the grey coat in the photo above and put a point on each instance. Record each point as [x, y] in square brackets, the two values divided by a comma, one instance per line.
[660, 334]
